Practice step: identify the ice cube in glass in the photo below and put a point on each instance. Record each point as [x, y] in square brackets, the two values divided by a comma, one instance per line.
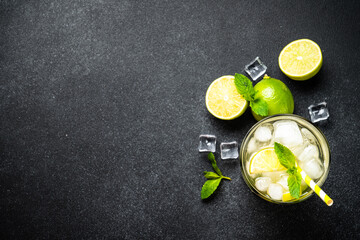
[229, 150]
[313, 168]
[207, 143]
[255, 69]
[274, 176]
[262, 183]
[310, 151]
[287, 133]
[251, 145]
[297, 150]
[284, 182]
[308, 135]
[275, 191]
[264, 133]
[318, 112]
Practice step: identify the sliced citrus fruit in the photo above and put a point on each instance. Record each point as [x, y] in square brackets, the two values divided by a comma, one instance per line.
[265, 160]
[301, 59]
[223, 100]
[287, 196]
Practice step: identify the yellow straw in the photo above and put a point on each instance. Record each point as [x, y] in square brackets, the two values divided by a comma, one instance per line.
[315, 187]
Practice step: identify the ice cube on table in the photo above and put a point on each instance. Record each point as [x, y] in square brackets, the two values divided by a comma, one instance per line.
[262, 183]
[275, 191]
[283, 182]
[313, 168]
[310, 151]
[255, 69]
[318, 112]
[263, 133]
[229, 150]
[308, 135]
[207, 143]
[287, 133]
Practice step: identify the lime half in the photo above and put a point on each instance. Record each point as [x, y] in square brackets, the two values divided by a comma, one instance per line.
[301, 59]
[265, 160]
[223, 100]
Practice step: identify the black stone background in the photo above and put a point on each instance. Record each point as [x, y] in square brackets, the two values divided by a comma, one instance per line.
[102, 103]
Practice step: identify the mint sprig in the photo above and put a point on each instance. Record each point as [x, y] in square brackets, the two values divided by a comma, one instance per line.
[294, 183]
[287, 159]
[245, 88]
[211, 157]
[214, 178]
[211, 175]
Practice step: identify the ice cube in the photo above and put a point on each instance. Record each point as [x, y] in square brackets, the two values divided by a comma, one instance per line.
[252, 145]
[297, 150]
[229, 150]
[318, 112]
[275, 176]
[254, 175]
[262, 183]
[275, 191]
[255, 69]
[263, 133]
[283, 182]
[310, 151]
[308, 135]
[313, 168]
[207, 143]
[287, 133]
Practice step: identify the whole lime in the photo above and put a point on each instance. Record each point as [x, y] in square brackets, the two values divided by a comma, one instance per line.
[277, 96]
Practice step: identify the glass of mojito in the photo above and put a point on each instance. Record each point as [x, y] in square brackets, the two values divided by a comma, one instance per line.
[262, 171]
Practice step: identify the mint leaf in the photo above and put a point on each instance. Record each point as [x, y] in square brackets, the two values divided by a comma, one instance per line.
[260, 107]
[211, 175]
[294, 182]
[209, 187]
[244, 87]
[292, 170]
[214, 178]
[285, 156]
[211, 157]
[287, 159]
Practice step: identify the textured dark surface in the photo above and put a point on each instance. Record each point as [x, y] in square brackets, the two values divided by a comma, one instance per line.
[102, 103]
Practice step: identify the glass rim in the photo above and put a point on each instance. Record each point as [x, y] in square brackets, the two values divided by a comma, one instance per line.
[243, 162]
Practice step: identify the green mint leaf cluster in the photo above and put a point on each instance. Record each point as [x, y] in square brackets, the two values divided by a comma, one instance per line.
[294, 183]
[245, 88]
[287, 159]
[214, 178]
[260, 107]
[211, 175]
[285, 156]
[209, 187]
[211, 157]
